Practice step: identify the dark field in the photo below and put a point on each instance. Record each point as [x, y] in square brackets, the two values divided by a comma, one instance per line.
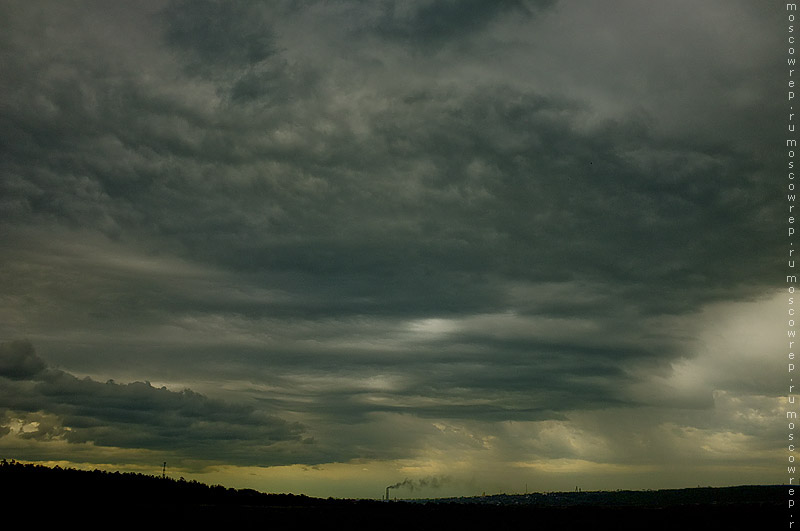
[102, 499]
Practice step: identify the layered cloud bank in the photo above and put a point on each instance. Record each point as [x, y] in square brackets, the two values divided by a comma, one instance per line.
[449, 239]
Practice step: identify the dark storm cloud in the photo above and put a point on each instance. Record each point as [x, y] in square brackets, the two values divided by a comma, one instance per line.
[279, 195]
[472, 184]
[432, 23]
[220, 34]
[234, 45]
[18, 360]
[137, 415]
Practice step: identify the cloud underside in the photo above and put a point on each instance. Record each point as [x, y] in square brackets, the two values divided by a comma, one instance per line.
[43, 405]
[350, 217]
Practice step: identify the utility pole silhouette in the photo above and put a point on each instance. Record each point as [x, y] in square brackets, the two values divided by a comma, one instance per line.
[164, 470]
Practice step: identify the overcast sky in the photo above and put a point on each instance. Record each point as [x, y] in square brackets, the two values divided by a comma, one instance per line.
[328, 246]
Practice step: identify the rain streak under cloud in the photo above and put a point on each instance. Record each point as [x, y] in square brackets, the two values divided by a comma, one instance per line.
[326, 247]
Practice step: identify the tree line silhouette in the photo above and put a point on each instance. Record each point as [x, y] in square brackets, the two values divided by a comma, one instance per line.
[98, 497]
[69, 483]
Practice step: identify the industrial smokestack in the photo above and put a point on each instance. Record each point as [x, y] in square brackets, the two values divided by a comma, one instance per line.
[411, 484]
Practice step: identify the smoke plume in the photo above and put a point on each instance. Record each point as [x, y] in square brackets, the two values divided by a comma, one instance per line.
[433, 482]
